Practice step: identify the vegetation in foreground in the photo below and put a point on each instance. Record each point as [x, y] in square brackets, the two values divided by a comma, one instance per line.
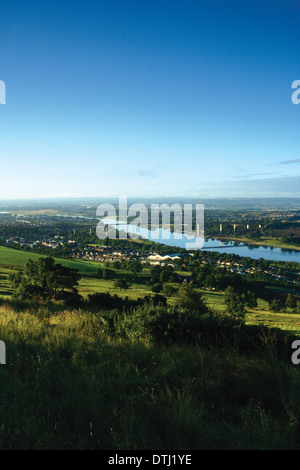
[117, 373]
[152, 378]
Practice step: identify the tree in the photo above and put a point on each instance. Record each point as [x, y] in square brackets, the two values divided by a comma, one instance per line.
[169, 290]
[166, 273]
[277, 305]
[210, 282]
[44, 279]
[99, 273]
[121, 284]
[291, 302]
[201, 273]
[190, 299]
[174, 277]
[134, 266]
[235, 303]
[108, 274]
[157, 287]
[250, 299]
[155, 274]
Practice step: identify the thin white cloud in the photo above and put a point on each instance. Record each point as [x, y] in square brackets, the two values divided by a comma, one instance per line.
[290, 162]
[151, 172]
[287, 186]
[251, 175]
[286, 162]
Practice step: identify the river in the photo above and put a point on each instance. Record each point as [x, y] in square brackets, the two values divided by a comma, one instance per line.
[186, 241]
[189, 242]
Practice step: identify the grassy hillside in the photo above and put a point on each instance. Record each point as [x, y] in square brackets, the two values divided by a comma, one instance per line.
[11, 257]
[92, 378]
[70, 383]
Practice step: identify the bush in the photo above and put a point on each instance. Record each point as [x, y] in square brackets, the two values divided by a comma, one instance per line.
[71, 299]
[169, 290]
[171, 325]
[277, 305]
[164, 324]
[190, 299]
[121, 284]
[70, 385]
[108, 274]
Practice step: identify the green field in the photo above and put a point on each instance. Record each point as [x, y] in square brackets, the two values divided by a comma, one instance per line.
[264, 241]
[11, 259]
[91, 286]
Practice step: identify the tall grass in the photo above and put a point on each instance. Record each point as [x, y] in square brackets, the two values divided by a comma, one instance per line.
[69, 384]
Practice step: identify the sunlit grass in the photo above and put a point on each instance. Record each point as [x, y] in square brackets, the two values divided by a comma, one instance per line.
[68, 385]
[14, 258]
[89, 284]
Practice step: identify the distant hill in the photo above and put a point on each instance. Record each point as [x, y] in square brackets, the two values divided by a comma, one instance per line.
[90, 204]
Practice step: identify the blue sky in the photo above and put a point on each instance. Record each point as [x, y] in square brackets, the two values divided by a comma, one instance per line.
[149, 98]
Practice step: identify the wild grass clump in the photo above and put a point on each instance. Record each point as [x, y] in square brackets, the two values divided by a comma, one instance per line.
[107, 380]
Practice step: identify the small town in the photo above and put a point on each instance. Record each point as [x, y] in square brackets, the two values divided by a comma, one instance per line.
[109, 254]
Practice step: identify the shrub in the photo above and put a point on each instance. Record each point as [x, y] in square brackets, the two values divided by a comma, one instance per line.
[121, 284]
[190, 299]
[169, 290]
[277, 305]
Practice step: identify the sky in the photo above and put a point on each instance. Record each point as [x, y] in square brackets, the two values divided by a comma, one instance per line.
[149, 98]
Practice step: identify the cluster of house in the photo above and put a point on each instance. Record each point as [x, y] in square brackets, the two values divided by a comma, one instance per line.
[91, 253]
[104, 254]
[239, 268]
[110, 254]
[236, 267]
[19, 241]
[51, 242]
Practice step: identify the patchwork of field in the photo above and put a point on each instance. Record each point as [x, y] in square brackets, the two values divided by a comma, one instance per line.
[91, 286]
[11, 260]
[285, 320]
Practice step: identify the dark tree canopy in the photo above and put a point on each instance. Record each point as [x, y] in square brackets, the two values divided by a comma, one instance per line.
[188, 298]
[44, 279]
[235, 303]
